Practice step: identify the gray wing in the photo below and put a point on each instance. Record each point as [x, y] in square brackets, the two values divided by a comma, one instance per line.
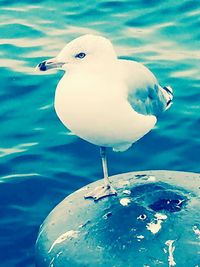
[152, 100]
[145, 95]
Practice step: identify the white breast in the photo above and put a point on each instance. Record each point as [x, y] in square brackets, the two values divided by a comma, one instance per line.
[95, 109]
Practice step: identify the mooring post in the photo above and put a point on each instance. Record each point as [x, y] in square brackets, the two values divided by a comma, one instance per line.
[153, 221]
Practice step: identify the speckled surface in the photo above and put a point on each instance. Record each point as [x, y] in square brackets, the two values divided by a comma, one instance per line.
[153, 221]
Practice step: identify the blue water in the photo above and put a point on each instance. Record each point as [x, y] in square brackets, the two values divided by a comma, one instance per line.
[39, 162]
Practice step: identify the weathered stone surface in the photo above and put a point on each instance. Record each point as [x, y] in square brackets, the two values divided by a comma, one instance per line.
[153, 221]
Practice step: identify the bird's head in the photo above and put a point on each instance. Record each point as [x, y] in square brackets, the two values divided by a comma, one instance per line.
[92, 50]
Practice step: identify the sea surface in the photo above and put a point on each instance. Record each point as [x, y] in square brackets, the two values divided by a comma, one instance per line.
[40, 161]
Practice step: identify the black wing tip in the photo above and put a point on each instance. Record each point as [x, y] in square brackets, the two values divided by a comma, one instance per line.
[169, 103]
[169, 90]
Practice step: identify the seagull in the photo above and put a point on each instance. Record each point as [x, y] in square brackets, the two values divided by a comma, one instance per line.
[107, 101]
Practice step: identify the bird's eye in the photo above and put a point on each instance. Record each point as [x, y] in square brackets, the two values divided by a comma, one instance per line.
[80, 55]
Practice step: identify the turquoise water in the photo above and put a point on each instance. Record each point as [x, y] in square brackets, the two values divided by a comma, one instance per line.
[40, 163]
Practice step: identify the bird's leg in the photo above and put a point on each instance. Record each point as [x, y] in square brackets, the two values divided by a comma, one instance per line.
[106, 189]
[105, 166]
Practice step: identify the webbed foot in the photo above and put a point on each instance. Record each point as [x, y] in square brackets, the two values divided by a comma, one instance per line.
[101, 192]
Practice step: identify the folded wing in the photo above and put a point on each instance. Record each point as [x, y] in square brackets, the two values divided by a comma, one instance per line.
[144, 94]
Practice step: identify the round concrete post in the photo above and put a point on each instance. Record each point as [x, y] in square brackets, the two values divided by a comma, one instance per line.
[153, 221]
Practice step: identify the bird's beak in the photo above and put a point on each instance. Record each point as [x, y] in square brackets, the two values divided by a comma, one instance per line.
[52, 63]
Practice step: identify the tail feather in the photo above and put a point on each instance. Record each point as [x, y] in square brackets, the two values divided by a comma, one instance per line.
[168, 92]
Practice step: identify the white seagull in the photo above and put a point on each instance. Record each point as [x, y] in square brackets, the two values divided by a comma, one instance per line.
[104, 100]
